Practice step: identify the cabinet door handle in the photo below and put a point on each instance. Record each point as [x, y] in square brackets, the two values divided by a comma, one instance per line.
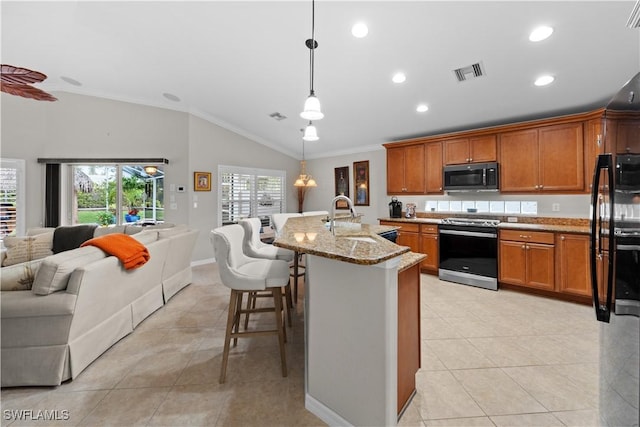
[524, 246]
[562, 237]
[471, 159]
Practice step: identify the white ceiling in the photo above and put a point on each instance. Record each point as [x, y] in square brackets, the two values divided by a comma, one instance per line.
[236, 62]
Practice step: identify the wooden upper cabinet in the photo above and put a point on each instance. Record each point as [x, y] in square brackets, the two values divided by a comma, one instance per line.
[395, 170]
[593, 146]
[548, 158]
[519, 161]
[483, 149]
[561, 153]
[434, 167]
[456, 151]
[628, 137]
[477, 149]
[406, 169]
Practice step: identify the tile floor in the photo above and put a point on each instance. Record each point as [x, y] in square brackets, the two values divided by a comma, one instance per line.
[489, 359]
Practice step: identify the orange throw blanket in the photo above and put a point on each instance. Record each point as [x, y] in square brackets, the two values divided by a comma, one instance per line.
[128, 250]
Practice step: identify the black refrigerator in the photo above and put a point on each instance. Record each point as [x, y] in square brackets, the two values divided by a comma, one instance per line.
[615, 258]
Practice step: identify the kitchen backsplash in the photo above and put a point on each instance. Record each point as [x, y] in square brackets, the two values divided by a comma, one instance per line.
[564, 206]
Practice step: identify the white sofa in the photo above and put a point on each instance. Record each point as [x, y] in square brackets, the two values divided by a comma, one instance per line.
[82, 302]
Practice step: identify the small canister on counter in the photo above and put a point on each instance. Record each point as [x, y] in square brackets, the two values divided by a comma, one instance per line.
[411, 210]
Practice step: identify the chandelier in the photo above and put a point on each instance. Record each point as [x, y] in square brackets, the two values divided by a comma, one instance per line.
[311, 109]
[304, 181]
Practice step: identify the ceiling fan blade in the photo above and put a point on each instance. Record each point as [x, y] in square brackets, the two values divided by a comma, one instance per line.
[26, 91]
[11, 74]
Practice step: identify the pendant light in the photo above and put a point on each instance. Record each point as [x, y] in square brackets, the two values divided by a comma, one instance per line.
[312, 109]
[310, 133]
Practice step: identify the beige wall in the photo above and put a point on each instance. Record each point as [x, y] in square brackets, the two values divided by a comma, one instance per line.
[85, 127]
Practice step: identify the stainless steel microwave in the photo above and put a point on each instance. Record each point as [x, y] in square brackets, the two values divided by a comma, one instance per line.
[471, 177]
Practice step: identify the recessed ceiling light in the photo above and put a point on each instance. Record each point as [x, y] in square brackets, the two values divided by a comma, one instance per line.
[71, 81]
[421, 108]
[544, 80]
[399, 78]
[360, 30]
[540, 33]
[171, 97]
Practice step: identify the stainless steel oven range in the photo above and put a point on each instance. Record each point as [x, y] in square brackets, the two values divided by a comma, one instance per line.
[469, 251]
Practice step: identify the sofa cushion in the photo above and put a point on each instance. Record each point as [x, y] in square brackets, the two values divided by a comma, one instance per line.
[101, 231]
[27, 248]
[39, 230]
[147, 236]
[164, 233]
[19, 277]
[54, 272]
[70, 237]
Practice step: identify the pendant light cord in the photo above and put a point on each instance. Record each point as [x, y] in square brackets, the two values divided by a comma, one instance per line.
[313, 41]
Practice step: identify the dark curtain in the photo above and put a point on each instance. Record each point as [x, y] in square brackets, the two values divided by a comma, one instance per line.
[52, 195]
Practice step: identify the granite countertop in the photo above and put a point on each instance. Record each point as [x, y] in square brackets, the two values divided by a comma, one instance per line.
[354, 243]
[579, 229]
[409, 259]
[553, 225]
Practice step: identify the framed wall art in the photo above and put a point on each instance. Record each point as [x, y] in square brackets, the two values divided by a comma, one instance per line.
[202, 181]
[341, 176]
[361, 182]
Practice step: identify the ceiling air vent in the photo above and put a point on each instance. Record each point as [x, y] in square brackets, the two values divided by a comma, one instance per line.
[277, 116]
[469, 72]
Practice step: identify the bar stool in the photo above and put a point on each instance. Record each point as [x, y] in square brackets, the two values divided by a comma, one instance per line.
[254, 248]
[243, 274]
[278, 220]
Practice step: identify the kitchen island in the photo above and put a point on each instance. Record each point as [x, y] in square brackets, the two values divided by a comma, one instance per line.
[362, 321]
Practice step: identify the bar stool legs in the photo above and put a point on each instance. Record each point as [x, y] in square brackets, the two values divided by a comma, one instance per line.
[233, 321]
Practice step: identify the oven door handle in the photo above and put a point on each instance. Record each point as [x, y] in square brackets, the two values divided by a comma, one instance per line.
[469, 233]
[628, 247]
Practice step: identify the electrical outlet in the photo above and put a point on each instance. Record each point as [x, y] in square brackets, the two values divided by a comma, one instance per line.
[512, 219]
[555, 207]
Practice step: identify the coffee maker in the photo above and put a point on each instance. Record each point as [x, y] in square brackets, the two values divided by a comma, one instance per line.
[395, 208]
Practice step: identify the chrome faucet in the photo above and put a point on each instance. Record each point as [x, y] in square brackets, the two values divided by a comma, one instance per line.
[332, 223]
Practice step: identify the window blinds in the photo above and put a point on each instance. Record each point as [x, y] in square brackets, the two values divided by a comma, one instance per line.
[246, 193]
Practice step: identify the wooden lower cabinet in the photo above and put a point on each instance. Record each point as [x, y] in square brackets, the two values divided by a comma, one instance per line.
[512, 263]
[527, 259]
[408, 333]
[540, 266]
[429, 247]
[421, 238]
[573, 265]
[409, 235]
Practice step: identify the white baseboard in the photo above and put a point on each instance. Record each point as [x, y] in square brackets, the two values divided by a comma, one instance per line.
[203, 262]
[321, 411]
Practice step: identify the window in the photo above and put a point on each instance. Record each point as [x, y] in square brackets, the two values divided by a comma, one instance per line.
[12, 197]
[246, 193]
[115, 194]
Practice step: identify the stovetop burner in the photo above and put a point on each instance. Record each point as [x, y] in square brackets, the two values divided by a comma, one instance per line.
[480, 222]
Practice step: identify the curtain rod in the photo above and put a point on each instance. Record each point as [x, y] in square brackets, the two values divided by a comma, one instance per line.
[59, 160]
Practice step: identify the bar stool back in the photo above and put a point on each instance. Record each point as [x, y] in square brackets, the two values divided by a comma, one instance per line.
[243, 274]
